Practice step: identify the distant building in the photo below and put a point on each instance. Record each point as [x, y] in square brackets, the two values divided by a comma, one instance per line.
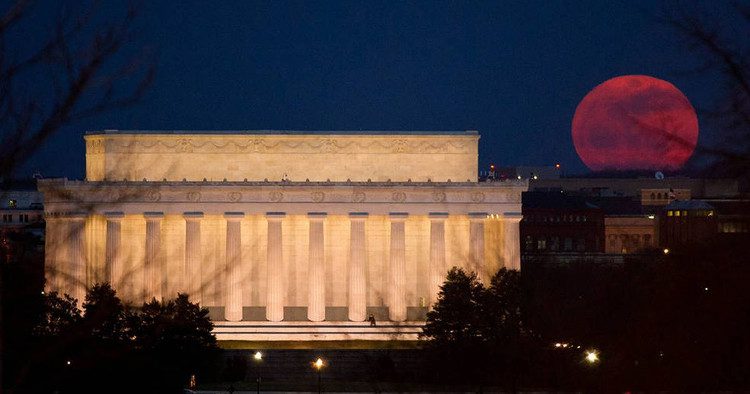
[733, 215]
[634, 187]
[555, 222]
[682, 222]
[22, 215]
[662, 196]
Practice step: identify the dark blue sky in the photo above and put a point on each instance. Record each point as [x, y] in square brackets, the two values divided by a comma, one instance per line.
[515, 71]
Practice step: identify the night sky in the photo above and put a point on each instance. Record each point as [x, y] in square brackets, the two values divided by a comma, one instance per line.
[515, 71]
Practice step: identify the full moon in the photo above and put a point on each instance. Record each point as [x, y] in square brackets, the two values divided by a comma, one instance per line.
[635, 122]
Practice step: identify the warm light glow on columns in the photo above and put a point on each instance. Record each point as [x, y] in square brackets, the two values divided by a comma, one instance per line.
[192, 281]
[437, 253]
[397, 272]
[316, 298]
[476, 244]
[152, 270]
[275, 285]
[233, 305]
[76, 271]
[512, 240]
[52, 246]
[357, 256]
[113, 264]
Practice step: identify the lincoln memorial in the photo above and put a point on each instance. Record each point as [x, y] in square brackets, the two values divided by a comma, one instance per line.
[281, 234]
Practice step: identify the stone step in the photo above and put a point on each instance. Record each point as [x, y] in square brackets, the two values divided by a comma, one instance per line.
[316, 331]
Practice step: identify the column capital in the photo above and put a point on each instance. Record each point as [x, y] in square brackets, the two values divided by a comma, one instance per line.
[114, 216]
[153, 216]
[477, 215]
[512, 216]
[192, 215]
[233, 216]
[398, 216]
[358, 215]
[316, 215]
[274, 216]
[439, 216]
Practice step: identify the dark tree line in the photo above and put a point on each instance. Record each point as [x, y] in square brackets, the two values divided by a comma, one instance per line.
[109, 346]
[658, 322]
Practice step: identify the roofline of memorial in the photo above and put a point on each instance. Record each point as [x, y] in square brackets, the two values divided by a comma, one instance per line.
[76, 182]
[281, 132]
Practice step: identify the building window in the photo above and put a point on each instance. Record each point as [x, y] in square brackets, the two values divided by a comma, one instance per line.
[12, 203]
[529, 244]
[568, 244]
[646, 240]
[653, 196]
[581, 245]
[676, 213]
[670, 213]
[554, 243]
[684, 213]
[541, 244]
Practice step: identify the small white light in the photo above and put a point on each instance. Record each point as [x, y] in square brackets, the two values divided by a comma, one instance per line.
[592, 356]
[652, 217]
[67, 362]
[258, 356]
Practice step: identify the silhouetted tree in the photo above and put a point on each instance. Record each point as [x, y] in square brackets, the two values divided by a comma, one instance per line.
[477, 331]
[723, 49]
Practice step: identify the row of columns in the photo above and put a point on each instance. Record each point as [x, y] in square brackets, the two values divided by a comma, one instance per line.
[357, 291]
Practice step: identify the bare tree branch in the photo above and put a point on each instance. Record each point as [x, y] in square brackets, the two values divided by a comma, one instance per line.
[84, 79]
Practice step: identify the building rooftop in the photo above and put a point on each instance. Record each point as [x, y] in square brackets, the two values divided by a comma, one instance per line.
[689, 205]
[283, 132]
[555, 200]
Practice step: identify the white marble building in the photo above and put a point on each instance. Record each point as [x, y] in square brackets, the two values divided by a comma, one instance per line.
[303, 233]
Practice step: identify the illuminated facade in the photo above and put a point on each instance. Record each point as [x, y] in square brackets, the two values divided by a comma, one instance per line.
[282, 235]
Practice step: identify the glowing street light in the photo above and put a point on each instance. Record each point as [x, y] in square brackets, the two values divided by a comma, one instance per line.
[258, 357]
[318, 365]
[592, 356]
[666, 250]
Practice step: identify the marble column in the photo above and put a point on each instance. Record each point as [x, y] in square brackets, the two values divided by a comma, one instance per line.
[316, 298]
[476, 244]
[153, 267]
[113, 262]
[51, 250]
[192, 278]
[437, 254]
[275, 281]
[397, 271]
[76, 270]
[357, 275]
[512, 240]
[233, 302]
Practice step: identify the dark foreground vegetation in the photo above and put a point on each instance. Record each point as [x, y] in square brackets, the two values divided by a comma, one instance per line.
[677, 321]
[52, 346]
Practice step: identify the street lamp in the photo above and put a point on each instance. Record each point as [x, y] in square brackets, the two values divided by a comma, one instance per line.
[318, 365]
[592, 356]
[258, 357]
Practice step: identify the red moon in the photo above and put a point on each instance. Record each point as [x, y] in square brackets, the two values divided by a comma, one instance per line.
[635, 122]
